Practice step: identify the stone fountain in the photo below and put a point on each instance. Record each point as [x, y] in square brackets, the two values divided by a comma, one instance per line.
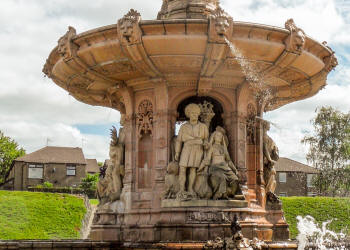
[193, 63]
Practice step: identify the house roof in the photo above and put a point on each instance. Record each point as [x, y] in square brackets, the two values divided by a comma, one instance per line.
[92, 166]
[289, 165]
[55, 155]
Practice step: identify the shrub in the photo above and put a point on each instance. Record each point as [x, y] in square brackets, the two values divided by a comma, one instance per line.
[47, 184]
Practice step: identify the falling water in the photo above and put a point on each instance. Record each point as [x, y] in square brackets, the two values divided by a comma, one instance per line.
[253, 74]
[320, 237]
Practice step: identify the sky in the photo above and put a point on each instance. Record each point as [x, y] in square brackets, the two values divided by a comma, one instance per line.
[36, 112]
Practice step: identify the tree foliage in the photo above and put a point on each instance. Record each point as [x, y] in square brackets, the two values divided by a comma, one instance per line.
[89, 182]
[9, 151]
[329, 150]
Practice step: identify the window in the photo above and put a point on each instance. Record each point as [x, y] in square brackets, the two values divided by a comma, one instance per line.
[283, 194]
[71, 170]
[310, 180]
[282, 177]
[35, 171]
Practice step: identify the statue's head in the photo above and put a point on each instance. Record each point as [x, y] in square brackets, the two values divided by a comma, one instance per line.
[127, 24]
[221, 26]
[192, 111]
[126, 28]
[222, 21]
[219, 136]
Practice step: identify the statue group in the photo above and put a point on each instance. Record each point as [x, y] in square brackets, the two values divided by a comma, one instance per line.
[201, 166]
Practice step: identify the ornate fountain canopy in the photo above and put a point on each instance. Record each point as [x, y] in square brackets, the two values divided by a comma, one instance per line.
[188, 46]
[187, 9]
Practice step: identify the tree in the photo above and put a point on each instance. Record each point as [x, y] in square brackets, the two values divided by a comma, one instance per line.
[89, 182]
[329, 150]
[9, 151]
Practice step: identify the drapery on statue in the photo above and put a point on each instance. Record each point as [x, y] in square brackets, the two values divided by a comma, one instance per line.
[109, 188]
[222, 172]
[189, 150]
[271, 156]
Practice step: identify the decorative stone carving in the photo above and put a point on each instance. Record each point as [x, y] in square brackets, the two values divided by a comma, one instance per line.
[187, 9]
[110, 186]
[237, 241]
[330, 62]
[222, 21]
[251, 124]
[207, 113]
[66, 48]
[296, 40]
[47, 70]
[222, 172]
[271, 156]
[172, 186]
[207, 217]
[128, 27]
[189, 150]
[144, 118]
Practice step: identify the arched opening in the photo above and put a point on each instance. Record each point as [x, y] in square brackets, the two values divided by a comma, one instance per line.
[202, 100]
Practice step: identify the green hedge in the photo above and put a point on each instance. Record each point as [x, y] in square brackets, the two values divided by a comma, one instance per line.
[65, 190]
[321, 208]
[29, 215]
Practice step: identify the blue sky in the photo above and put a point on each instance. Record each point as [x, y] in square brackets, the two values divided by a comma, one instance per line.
[33, 108]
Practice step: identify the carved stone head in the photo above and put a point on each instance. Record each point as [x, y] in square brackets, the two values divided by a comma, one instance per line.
[296, 40]
[330, 62]
[192, 111]
[222, 21]
[64, 43]
[127, 26]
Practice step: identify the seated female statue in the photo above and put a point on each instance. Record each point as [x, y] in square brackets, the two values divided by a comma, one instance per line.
[222, 172]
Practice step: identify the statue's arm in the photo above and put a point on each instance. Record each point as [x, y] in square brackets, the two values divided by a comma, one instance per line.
[178, 144]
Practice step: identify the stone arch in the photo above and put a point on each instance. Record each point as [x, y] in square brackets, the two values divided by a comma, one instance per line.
[217, 120]
[227, 104]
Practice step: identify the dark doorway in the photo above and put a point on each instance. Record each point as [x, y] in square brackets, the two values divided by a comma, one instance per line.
[217, 108]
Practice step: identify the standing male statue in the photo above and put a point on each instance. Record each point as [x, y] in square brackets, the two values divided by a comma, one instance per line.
[193, 135]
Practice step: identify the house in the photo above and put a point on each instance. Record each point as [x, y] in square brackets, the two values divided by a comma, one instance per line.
[294, 178]
[92, 166]
[61, 166]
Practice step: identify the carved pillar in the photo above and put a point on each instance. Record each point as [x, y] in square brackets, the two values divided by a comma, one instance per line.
[163, 135]
[240, 146]
[252, 149]
[129, 128]
[260, 190]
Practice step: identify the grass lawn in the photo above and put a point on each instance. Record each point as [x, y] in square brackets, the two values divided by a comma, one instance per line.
[29, 215]
[321, 208]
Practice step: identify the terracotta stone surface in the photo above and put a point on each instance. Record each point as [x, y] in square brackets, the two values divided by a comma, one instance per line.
[150, 70]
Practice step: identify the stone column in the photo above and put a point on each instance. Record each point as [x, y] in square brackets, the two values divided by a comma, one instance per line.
[162, 135]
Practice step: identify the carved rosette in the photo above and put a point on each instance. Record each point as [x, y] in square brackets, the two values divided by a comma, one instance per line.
[128, 28]
[251, 124]
[144, 118]
[295, 42]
